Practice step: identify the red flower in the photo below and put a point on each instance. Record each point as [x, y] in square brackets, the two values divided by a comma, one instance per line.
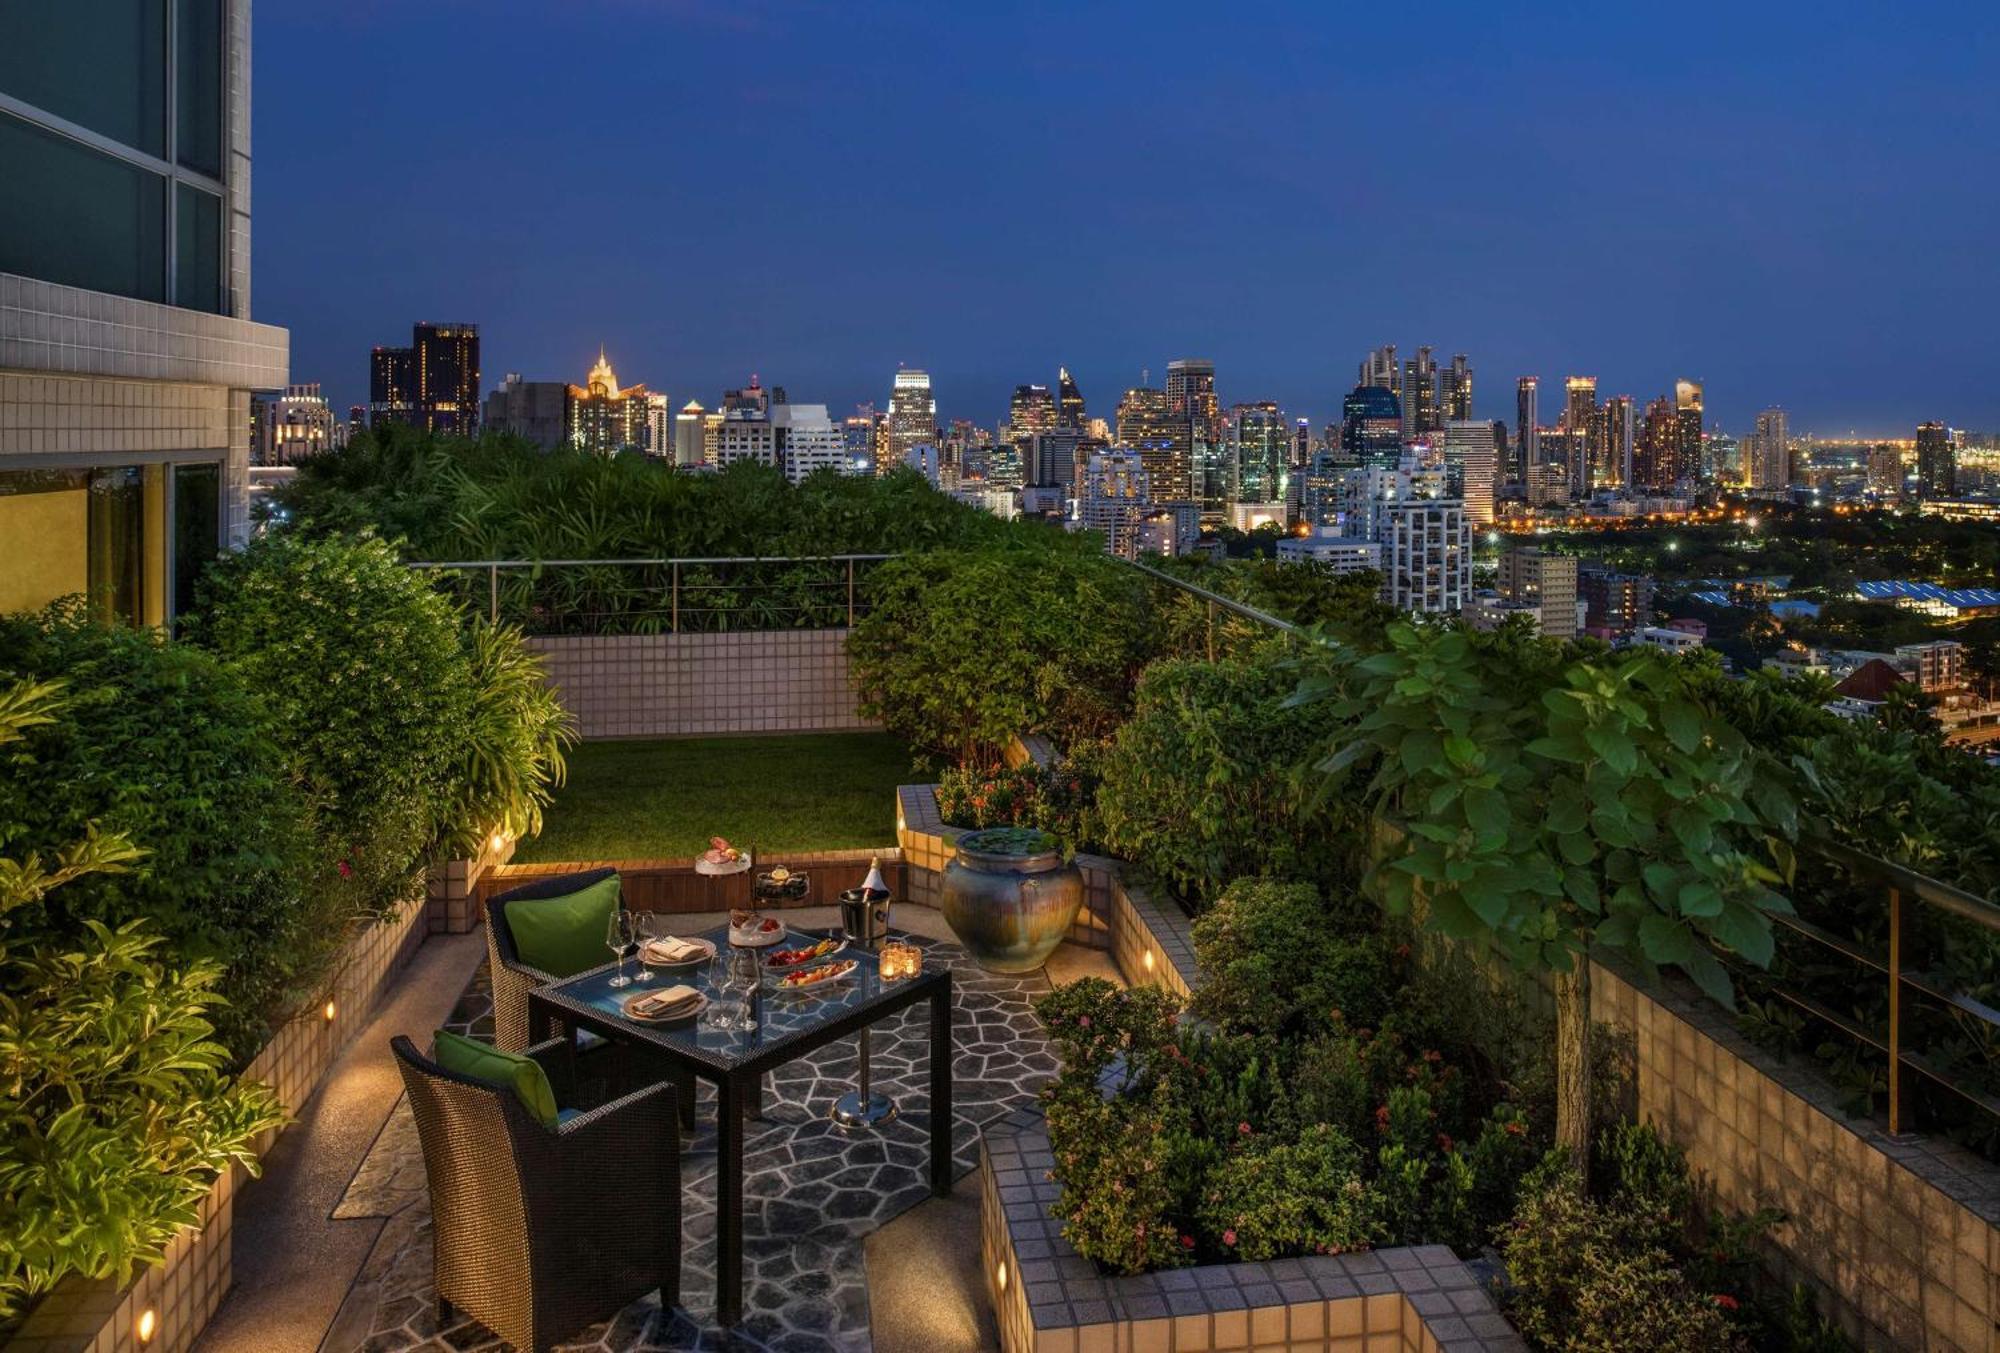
[1402, 951]
[1444, 1142]
[1187, 1242]
[346, 869]
[1229, 1237]
[1243, 1129]
[1513, 1129]
[1382, 1118]
[1725, 1301]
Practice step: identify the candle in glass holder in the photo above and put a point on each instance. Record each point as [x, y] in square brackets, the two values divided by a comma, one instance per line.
[900, 960]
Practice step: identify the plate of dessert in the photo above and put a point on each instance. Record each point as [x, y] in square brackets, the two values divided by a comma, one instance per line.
[721, 858]
[812, 952]
[814, 978]
[672, 951]
[675, 1005]
[754, 930]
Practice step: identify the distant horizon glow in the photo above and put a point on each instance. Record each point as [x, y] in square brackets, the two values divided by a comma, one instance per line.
[1794, 213]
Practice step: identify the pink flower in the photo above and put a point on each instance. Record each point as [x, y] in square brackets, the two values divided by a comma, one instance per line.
[1243, 1129]
[1229, 1237]
[1083, 1021]
[346, 869]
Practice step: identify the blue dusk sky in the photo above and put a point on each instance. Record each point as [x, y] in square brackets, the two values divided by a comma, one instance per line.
[1796, 204]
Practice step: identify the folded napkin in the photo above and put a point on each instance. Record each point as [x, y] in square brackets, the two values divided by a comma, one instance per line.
[662, 1004]
[673, 949]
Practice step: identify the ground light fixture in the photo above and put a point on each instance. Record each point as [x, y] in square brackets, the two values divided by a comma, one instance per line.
[146, 1325]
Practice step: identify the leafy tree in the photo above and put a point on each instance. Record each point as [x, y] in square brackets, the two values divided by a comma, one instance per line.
[961, 649]
[1551, 801]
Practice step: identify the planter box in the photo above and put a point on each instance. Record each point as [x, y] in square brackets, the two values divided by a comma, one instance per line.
[1049, 1299]
[673, 886]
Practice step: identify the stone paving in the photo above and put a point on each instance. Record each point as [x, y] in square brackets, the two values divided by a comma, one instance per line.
[812, 1193]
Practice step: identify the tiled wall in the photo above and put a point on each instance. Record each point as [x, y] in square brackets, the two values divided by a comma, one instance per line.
[183, 1290]
[1899, 1232]
[48, 327]
[670, 685]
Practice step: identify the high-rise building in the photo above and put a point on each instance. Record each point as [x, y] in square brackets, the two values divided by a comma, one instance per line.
[1031, 411]
[1885, 471]
[1770, 452]
[745, 430]
[1260, 452]
[690, 435]
[1113, 498]
[1586, 431]
[603, 417]
[1054, 458]
[1420, 396]
[1937, 462]
[1471, 458]
[1527, 430]
[1458, 389]
[1548, 582]
[1191, 394]
[531, 410]
[1620, 431]
[861, 434]
[1614, 601]
[912, 414]
[1069, 402]
[1656, 465]
[1380, 368]
[1371, 426]
[1688, 428]
[1425, 538]
[291, 427]
[127, 352]
[808, 441]
[432, 384]
[1147, 424]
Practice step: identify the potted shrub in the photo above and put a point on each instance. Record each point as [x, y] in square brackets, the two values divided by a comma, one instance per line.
[1011, 897]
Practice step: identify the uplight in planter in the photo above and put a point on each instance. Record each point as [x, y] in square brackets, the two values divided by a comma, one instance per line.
[146, 1325]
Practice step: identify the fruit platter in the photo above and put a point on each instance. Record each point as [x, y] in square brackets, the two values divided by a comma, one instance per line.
[754, 930]
[816, 977]
[721, 858]
[784, 960]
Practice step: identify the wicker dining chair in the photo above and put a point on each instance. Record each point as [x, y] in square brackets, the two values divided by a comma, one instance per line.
[512, 979]
[539, 1232]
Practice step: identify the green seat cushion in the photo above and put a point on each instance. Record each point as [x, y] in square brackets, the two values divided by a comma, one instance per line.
[564, 935]
[502, 1070]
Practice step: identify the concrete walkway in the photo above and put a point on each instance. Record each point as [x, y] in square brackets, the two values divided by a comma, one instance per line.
[293, 1262]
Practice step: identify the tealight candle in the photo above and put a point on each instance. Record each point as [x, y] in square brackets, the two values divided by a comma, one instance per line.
[900, 960]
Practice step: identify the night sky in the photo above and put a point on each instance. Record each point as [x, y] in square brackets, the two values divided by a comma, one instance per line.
[1797, 204]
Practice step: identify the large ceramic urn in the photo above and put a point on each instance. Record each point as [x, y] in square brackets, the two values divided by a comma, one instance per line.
[1010, 897]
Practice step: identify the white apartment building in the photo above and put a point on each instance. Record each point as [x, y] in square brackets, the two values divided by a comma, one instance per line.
[1113, 498]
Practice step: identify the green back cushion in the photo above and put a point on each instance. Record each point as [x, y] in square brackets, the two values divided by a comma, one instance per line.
[502, 1070]
[564, 935]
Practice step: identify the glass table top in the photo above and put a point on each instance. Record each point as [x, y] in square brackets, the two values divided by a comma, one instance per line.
[783, 1016]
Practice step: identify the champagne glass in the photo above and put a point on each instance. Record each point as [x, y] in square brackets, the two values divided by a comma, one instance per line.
[618, 939]
[645, 929]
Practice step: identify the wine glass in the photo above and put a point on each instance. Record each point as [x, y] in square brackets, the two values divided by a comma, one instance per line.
[618, 939]
[645, 929]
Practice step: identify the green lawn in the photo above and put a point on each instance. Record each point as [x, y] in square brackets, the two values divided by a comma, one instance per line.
[665, 798]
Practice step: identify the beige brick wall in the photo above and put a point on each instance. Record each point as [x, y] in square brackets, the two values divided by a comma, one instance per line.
[672, 685]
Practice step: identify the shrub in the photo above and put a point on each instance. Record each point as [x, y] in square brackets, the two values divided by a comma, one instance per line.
[1586, 1278]
[115, 1114]
[362, 670]
[1207, 781]
[1272, 965]
[163, 744]
[511, 747]
[961, 649]
[1273, 1200]
[979, 797]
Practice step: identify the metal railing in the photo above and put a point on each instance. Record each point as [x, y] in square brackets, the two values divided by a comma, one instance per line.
[665, 595]
[1903, 891]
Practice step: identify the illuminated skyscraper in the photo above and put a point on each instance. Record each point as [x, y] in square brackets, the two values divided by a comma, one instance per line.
[1586, 432]
[1069, 402]
[1371, 427]
[1191, 394]
[1620, 428]
[433, 384]
[690, 434]
[1147, 424]
[1687, 416]
[1420, 395]
[601, 416]
[1527, 434]
[1470, 455]
[912, 414]
[1656, 456]
[1885, 471]
[1937, 462]
[1380, 368]
[1113, 497]
[1458, 389]
[1260, 447]
[1770, 452]
[1031, 411]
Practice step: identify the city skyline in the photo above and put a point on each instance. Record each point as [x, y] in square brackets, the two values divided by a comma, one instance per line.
[973, 217]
